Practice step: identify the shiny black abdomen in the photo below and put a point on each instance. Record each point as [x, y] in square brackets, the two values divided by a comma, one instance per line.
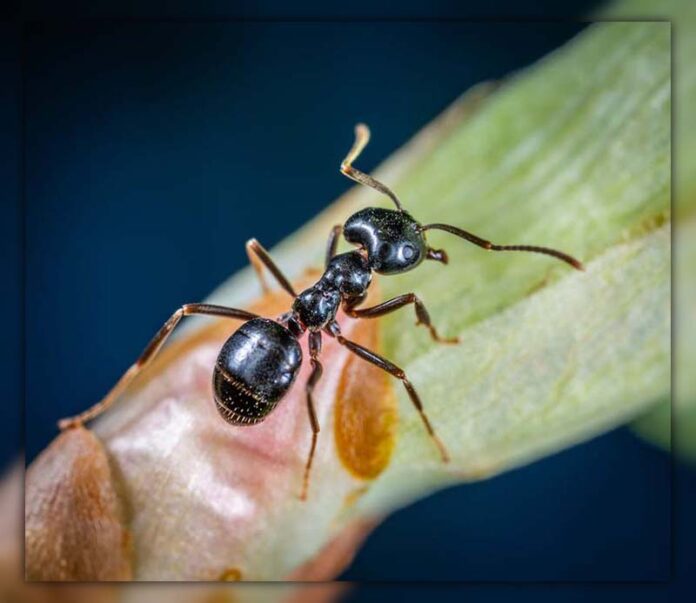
[254, 370]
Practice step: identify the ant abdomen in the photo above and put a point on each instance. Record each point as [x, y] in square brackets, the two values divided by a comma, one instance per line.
[254, 370]
[393, 240]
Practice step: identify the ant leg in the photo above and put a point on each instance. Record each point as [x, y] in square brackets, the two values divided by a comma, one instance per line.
[257, 265]
[362, 137]
[332, 243]
[259, 258]
[148, 354]
[422, 316]
[397, 372]
[314, 349]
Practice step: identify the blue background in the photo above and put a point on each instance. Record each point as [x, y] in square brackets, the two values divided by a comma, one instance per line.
[154, 150]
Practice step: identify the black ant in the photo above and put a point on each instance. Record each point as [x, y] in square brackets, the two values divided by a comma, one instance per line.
[258, 364]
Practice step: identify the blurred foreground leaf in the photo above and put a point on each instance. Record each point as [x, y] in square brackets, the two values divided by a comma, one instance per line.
[573, 153]
[657, 424]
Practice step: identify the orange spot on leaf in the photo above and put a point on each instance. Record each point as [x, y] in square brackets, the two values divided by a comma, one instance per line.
[366, 411]
[231, 574]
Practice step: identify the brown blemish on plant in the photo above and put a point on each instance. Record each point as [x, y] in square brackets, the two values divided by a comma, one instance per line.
[74, 525]
[231, 574]
[648, 224]
[366, 411]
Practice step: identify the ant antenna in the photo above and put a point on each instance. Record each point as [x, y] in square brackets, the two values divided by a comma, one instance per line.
[362, 137]
[472, 238]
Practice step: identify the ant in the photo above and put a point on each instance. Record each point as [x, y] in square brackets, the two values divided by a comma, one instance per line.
[259, 363]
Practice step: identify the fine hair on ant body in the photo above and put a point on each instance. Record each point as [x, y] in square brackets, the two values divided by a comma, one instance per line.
[259, 363]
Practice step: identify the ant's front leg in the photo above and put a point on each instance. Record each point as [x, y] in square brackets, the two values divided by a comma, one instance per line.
[332, 243]
[422, 316]
[259, 257]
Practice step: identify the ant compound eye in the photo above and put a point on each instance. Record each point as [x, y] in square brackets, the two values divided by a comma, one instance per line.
[408, 252]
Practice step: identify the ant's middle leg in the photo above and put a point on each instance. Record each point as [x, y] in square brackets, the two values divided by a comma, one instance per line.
[422, 316]
[399, 373]
[314, 350]
[148, 354]
[259, 257]
[332, 243]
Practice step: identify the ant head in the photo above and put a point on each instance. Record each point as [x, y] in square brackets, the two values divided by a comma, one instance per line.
[393, 240]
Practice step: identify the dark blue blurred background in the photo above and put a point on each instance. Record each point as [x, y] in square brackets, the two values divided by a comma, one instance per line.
[154, 150]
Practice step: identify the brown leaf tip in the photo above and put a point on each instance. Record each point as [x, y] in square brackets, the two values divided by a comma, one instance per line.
[74, 526]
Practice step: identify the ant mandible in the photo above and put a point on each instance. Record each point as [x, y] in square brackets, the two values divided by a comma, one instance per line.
[258, 364]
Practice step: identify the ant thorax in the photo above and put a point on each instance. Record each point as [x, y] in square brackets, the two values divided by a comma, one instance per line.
[346, 278]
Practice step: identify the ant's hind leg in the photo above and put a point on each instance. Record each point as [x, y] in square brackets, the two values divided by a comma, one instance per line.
[422, 316]
[314, 349]
[148, 354]
[399, 373]
[259, 258]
